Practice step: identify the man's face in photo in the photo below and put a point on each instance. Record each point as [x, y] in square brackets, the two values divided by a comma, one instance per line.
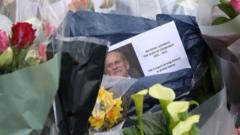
[116, 65]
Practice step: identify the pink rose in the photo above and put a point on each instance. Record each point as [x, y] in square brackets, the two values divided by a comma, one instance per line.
[42, 52]
[236, 5]
[48, 29]
[3, 41]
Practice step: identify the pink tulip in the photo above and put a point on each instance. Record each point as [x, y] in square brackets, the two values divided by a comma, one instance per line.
[3, 41]
[236, 5]
[42, 52]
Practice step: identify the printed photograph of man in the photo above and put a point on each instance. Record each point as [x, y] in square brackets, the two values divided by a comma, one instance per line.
[116, 64]
[123, 62]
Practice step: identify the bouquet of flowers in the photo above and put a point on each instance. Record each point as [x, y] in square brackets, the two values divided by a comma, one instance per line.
[17, 49]
[219, 22]
[29, 73]
[107, 111]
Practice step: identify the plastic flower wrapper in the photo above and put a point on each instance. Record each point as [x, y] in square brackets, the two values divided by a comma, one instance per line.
[173, 120]
[107, 113]
[215, 116]
[83, 59]
[29, 72]
[223, 38]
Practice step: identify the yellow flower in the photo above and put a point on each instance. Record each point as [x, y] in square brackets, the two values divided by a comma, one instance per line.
[114, 115]
[107, 110]
[104, 94]
[106, 99]
[97, 119]
[118, 102]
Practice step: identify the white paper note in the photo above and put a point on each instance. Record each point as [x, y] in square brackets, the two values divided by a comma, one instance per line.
[157, 51]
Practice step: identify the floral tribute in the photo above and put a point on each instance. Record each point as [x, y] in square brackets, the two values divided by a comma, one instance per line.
[107, 111]
[18, 50]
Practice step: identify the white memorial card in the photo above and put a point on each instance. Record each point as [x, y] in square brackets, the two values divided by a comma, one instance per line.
[157, 51]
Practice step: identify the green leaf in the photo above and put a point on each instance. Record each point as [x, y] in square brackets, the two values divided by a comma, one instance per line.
[130, 131]
[224, 2]
[19, 57]
[194, 131]
[214, 72]
[193, 103]
[184, 127]
[138, 100]
[220, 20]
[228, 10]
[154, 124]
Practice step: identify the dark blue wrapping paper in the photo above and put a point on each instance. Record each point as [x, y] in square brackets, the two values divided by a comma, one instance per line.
[116, 28]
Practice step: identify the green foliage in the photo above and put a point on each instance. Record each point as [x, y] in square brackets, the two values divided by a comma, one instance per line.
[228, 10]
[224, 2]
[154, 124]
[220, 20]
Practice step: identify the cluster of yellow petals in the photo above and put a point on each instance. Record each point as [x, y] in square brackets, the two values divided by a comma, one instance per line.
[107, 111]
[97, 119]
[115, 113]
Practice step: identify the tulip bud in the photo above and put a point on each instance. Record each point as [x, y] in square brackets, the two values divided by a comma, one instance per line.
[31, 54]
[6, 57]
[31, 58]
